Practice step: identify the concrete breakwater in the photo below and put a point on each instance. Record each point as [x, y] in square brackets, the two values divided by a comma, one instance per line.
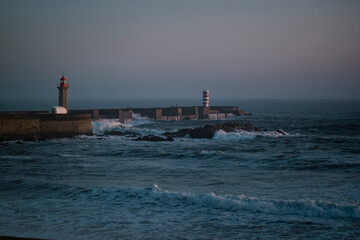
[166, 113]
[37, 126]
[190, 113]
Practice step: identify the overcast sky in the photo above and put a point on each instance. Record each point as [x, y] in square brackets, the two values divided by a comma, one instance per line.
[175, 49]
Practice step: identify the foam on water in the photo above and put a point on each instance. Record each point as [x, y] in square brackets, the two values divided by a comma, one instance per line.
[138, 120]
[244, 135]
[303, 207]
[100, 126]
[145, 126]
[239, 185]
[211, 201]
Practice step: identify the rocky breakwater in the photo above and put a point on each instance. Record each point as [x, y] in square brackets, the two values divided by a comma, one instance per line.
[121, 133]
[138, 137]
[208, 131]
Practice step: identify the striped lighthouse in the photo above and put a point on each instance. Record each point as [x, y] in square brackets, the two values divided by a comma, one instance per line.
[206, 98]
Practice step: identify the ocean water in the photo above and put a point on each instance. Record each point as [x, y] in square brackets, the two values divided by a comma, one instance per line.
[241, 185]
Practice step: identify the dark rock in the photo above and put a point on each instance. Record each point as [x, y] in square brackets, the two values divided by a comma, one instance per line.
[132, 134]
[19, 142]
[202, 132]
[115, 133]
[29, 139]
[153, 138]
[180, 133]
[281, 132]
[232, 126]
[118, 133]
[170, 139]
[208, 131]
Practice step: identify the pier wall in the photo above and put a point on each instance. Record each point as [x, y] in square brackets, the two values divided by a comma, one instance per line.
[171, 111]
[166, 113]
[190, 113]
[123, 115]
[155, 113]
[225, 109]
[43, 126]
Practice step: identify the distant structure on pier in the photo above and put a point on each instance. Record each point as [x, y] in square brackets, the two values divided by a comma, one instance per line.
[63, 94]
[206, 98]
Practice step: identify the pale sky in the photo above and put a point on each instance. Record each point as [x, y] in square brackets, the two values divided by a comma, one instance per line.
[175, 49]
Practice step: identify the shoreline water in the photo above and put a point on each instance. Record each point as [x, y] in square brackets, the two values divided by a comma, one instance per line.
[18, 238]
[301, 185]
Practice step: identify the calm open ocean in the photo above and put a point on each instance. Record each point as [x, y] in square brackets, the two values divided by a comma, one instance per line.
[305, 185]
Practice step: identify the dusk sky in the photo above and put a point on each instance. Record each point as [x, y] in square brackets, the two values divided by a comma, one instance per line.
[175, 49]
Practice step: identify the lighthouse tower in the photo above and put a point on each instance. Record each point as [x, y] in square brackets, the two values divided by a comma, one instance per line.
[206, 98]
[63, 94]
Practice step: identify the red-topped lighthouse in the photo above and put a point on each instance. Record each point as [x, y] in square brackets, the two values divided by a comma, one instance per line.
[63, 95]
[63, 81]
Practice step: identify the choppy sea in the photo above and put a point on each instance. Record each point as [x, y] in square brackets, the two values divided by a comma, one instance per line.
[240, 185]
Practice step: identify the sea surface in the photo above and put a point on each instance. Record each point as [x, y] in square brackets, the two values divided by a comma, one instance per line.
[240, 185]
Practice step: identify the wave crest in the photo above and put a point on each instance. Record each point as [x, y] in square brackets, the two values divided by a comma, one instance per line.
[163, 198]
[312, 208]
[244, 135]
[100, 126]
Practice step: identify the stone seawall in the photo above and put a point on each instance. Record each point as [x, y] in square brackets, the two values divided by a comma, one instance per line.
[190, 113]
[43, 126]
[34, 125]
[123, 115]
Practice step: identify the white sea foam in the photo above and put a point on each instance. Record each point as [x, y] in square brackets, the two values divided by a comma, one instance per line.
[138, 116]
[100, 126]
[105, 124]
[233, 136]
[304, 207]
[119, 205]
[138, 120]
[301, 207]
[244, 135]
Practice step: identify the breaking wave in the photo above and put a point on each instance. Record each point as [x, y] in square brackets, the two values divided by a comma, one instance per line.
[100, 126]
[137, 121]
[279, 206]
[244, 135]
[164, 199]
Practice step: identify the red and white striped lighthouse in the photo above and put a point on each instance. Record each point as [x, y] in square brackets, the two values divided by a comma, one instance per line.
[206, 98]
